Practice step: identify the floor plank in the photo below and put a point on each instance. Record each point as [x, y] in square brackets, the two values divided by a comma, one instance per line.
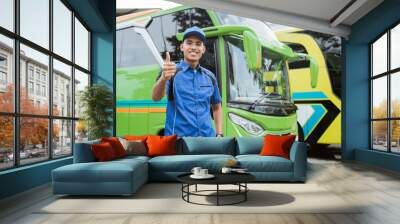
[377, 190]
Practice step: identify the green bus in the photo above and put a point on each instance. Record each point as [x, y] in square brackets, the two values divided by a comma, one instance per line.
[250, 64]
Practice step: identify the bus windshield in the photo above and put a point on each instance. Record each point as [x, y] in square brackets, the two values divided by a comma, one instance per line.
[268, 85]
[263, 31]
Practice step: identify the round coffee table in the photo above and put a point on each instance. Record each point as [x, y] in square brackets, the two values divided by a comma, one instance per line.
[238, 179]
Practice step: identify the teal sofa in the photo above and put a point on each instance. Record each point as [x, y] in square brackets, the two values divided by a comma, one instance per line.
[125, 176]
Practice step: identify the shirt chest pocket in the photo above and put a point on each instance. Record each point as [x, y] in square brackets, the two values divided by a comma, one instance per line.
[205, 89]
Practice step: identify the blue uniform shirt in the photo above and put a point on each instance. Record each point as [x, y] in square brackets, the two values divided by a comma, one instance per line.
[189, 113]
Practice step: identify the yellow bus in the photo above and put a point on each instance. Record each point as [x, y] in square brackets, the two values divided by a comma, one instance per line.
[319, 109]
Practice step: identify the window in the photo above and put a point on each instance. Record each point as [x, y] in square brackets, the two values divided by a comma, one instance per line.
[45, 131]
[6, 142]
[3, 78]
[37, 89]
[62, 137]
[385, 97]
[132, 50]
[163, 29]
[81, 45]
[62, 29]
[81, 82]
[298, 48]
[37, 74]
[268, 86]
[63, 73]
[43, 90]
[30, 72]
[7, 14]
[6, 74]
[3, 61]
[35, 22]
[30, 87]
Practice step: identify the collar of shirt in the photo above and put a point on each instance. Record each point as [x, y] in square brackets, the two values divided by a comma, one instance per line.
[185, 66]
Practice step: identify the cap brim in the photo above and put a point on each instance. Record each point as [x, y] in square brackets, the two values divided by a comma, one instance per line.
[196, 34]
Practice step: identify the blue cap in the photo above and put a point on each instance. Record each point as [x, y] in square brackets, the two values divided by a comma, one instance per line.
[194, 31]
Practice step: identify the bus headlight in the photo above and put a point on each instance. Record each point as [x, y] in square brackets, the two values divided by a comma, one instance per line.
[247, 125]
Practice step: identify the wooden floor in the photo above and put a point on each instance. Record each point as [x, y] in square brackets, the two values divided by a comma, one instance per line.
[377, 188]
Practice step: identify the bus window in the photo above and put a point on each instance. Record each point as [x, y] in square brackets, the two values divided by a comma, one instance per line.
[298, 48]
[163, 29]
[250, 88]
[132, 50]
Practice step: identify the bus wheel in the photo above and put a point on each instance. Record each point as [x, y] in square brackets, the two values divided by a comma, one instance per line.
[300, 133]
[161, 132]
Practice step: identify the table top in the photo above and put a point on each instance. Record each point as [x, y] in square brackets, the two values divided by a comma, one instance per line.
[220, 178]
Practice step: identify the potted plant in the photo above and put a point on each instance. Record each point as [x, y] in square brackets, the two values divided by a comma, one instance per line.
[96, 102]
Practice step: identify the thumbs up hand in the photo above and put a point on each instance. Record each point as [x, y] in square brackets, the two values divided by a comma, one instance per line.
[169, 68]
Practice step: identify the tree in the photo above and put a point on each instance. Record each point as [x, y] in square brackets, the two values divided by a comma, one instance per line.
[97, 104]
[33, 130]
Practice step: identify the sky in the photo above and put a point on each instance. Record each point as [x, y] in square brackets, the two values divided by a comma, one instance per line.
[139, 4]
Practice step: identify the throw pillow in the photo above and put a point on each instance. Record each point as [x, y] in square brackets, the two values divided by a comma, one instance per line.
[276, 145]
[103, 151]
[142, 138]
[137, 147]
[134, 137]
[161, 145]
[116, 145]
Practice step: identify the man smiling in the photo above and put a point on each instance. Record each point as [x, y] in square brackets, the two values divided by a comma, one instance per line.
[191, 90]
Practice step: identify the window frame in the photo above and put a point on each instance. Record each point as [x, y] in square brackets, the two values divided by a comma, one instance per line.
[16, 115]
[389, 73]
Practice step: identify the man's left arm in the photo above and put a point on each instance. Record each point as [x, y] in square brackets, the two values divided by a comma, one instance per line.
[217, 113]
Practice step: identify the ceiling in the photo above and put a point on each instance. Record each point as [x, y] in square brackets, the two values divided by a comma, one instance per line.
[326, 16]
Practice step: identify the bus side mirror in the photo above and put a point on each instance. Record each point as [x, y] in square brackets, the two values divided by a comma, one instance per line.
[313, 71]
[313, 67]
[252, 49]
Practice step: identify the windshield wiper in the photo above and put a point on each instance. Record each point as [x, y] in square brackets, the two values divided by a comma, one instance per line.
[262, 97]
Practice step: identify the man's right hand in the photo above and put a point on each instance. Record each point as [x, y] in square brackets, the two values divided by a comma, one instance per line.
[169, 68]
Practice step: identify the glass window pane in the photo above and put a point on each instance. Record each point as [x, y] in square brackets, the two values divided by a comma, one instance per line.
[6, 74]
[62, 138]
[379, 135]
[62, 29]
[395, 94]
[395, 136]
[62, 89]
[33, 140]
[6, 142]
[395, 47]
[35, 21]
[379, 55]
[81, 45]
[7, 14]
[132, 50]
[34, 80]
[379, 98]
[81, 81]
[81, 131]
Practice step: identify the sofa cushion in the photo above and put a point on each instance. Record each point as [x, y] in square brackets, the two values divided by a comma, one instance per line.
[112, 171]
[161, 145]
[134, 147]
[185, 163]
[116, 145]
[103, 151]
[257, 163]
[206, 145]
[277, 145]
[249, 145]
